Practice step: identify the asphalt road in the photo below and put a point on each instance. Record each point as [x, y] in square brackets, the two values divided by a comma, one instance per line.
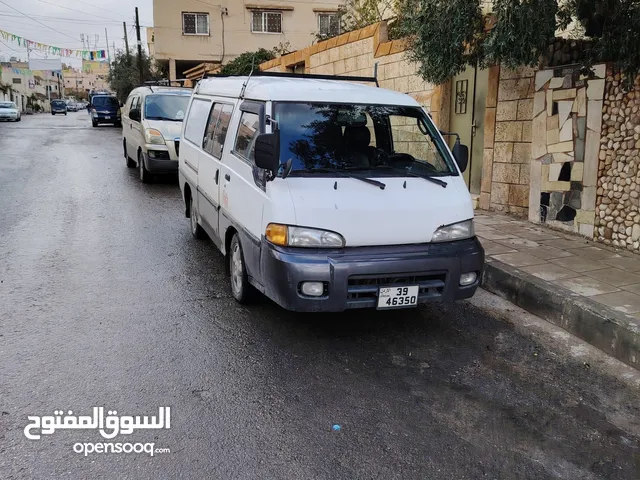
[106, 300]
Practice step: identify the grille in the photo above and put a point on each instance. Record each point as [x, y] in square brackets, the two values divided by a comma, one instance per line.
[362, 290]
[159, 155]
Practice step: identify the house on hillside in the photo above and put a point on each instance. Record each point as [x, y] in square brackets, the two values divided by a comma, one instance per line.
[188, 33]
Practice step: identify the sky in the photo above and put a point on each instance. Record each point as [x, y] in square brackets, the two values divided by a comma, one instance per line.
[60, 23]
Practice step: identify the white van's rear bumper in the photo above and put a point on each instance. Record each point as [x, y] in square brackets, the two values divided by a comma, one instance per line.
[352, 276]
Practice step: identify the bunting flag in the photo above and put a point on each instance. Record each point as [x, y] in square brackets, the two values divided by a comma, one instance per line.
[61, 52]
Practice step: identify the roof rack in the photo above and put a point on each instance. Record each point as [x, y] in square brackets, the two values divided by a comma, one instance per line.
[162, 83]
[344, 78]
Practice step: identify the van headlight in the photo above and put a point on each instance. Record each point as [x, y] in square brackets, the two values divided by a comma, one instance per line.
[153, 136]
[457, 231]
[287, 236]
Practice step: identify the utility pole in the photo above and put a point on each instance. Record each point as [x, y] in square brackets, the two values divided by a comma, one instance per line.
[126, 39]
[108, 53]
[140, 67]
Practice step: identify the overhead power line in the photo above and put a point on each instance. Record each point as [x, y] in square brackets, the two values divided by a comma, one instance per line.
[37, 21]
[74, 10]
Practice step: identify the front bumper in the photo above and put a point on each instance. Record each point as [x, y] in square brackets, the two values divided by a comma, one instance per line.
[352, 276]
[160, 165]
[8, 117]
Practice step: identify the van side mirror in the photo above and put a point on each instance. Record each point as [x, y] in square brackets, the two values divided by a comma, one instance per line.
[267, 152]
[461, 155]
[134, 114]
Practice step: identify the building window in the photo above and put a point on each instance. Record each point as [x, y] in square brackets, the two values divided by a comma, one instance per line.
[195, 24]
[17, 81]
[329, 24]
[266, 22]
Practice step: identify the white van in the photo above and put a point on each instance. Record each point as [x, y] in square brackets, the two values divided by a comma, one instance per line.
[327, 195]
[151, 124]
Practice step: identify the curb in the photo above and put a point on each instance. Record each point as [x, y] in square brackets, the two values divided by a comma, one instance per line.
[613, 332]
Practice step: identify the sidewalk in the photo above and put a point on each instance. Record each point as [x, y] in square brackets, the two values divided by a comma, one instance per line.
[589, 289]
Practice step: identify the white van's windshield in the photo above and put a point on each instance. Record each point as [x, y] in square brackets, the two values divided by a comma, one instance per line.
[382, 140]
[166, 107]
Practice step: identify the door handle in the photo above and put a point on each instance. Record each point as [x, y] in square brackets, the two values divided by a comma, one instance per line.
[217, 176]
[474, 128]
[227, 177]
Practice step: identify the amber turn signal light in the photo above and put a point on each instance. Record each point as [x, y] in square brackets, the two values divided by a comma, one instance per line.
[277, 234]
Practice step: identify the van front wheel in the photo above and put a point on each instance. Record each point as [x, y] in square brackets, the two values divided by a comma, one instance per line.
[241, 289]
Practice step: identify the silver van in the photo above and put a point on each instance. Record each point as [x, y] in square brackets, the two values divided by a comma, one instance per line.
[151, 125]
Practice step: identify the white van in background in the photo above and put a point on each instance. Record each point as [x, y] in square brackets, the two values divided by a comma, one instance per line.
[327, 195]
[151, 124]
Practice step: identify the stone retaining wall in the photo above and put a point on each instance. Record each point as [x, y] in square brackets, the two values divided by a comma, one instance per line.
[566, 134]
[618, 194]
[507, 141]
[356, 53]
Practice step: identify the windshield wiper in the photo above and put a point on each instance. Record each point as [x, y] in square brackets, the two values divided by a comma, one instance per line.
[342, 173]
[409, 173]
[166, 119]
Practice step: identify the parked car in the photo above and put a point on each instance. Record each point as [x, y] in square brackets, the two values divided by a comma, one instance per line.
[58, 106]
[152, 123]
[105, 109]
[72, 107]
[326, 195]
[9, 111]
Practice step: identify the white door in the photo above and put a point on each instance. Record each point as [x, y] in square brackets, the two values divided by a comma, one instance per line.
[138, 127]
[127, 125]
[243, 194]
[132, 133]
[192, 142]
[209, 169]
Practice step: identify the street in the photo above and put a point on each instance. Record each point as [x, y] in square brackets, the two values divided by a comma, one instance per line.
[107, 300]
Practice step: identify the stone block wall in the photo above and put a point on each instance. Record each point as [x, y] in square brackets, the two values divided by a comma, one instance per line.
[618, 190]
[507, 144]
[356, 53]
[567, 112]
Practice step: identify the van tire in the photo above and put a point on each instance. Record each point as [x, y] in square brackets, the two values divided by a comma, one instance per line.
[196, 229]
[145, 176]
[241, 289]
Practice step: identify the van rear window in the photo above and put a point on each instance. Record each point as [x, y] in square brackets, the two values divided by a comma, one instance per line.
[105, 102]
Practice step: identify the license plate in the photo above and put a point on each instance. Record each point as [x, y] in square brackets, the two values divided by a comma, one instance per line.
[398, 297]
[107, 118]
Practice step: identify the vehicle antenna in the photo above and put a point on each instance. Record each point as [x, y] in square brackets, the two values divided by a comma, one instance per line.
[244, 86]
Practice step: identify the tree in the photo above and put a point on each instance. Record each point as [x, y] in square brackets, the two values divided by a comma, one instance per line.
[124, 75]
[355, 14]
[443, 36]
[447, 35]
[243, 64]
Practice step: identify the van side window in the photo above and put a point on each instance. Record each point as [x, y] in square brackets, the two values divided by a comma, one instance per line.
[211, 128]
[216, 134]
[197, 121]
[130, 102]
[247, 133]
[135, 102]
[221, 130]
